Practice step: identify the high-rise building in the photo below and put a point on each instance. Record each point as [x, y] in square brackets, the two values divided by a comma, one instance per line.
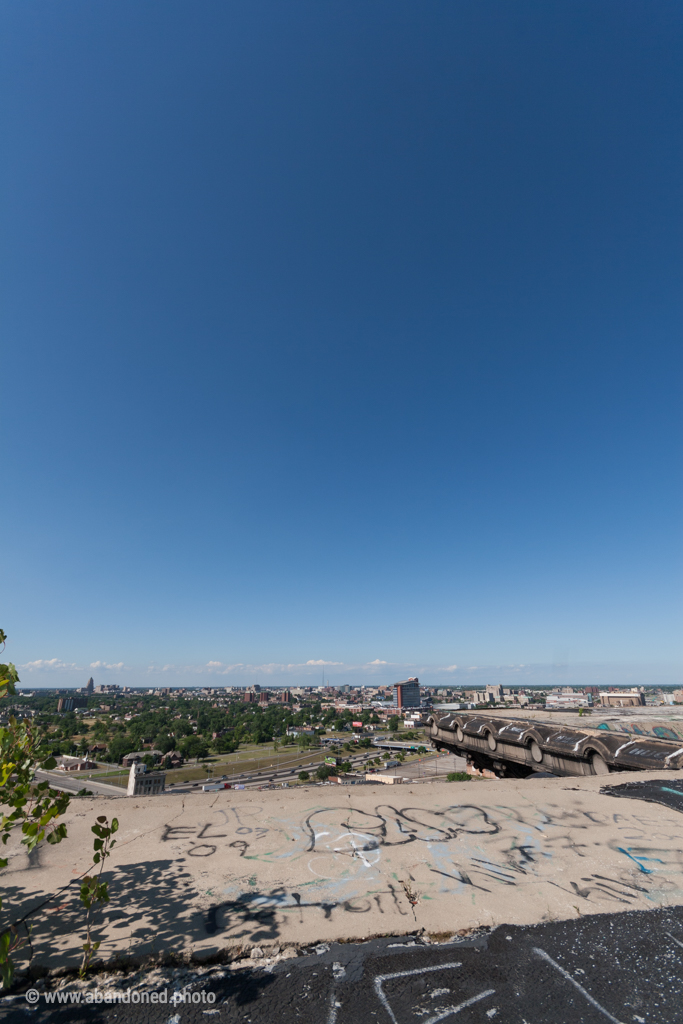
[90, 685]
[71, 703]
[407, 693]
[494, 693]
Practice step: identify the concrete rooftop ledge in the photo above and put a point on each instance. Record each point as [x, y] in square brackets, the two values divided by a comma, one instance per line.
[233, 870]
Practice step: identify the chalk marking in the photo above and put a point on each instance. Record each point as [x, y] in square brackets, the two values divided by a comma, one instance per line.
[404, 974]
[565, 974]
[334, 1006]
[677, 941]
[461, 1006]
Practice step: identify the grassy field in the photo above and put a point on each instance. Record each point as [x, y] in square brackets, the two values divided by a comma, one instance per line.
[251, 759]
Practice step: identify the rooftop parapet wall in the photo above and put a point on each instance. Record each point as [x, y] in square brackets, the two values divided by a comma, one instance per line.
[240, 869]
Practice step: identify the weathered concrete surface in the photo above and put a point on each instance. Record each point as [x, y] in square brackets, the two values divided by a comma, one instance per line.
[330, 863]
[605, 967]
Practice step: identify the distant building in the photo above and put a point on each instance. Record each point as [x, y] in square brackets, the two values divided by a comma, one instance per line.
[622, 699]
[144, 783]
[71, 703]
[417, 717]
[249, 697]
[285, 697]
[406, 694]
[137, 755]
[494, 694]
[75, 764]
[569, 700]
[90, 685]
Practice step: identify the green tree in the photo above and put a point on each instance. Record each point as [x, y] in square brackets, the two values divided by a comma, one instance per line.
[119, 746]
[163, 742]
[29, 807]
[225, 745]
[304, 776]
[324, 772]
[193, 746]
[393, 723]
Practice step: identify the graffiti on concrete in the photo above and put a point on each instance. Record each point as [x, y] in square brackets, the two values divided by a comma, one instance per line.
[394, 859]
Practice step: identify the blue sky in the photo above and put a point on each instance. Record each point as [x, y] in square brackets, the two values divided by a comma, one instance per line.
[345, 333]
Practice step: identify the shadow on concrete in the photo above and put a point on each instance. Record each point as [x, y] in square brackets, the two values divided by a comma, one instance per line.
[152, 911]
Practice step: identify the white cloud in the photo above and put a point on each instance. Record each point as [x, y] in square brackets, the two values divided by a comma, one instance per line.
[377, 662]
[103, 665]
[321, 662]
[50, 664]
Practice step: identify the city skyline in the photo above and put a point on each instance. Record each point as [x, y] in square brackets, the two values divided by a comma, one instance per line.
[286, 676]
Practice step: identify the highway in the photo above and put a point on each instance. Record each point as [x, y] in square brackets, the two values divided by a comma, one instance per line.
[270, 776]
[250, 780]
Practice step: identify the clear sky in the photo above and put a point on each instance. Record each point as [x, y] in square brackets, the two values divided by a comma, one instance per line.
[341, 332]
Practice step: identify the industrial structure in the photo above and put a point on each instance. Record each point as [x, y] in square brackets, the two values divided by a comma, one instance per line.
[517, 747]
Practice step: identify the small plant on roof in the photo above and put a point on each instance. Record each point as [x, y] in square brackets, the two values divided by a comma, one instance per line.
[93, 889]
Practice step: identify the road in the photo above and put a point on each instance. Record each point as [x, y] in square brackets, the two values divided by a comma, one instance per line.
[60, 780]
[619, 968]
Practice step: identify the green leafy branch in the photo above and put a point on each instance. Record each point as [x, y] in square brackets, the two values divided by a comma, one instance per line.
[93, 890]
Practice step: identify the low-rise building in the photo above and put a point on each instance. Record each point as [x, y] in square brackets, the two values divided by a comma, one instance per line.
[75, 764]
[568, 700]
[622, 699]
[145, 783]
[137, 756]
